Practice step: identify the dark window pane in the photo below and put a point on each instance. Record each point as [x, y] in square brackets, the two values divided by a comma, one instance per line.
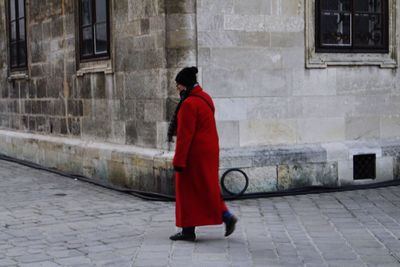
[335, 29]
[21, 6]
[335, 5]
[13, 31]
[352, 25]
[21, 29]
[368, 5]
[86, 12]
[22, 53]
[87, 41]
[14, 55]
[368, 29]
[101, 38]
[101, 9]
[12, 9]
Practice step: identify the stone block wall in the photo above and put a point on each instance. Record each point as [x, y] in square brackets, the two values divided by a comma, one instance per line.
[283, 123]
[121, 100]
[38, 100]
[252, 58]
[120, 165]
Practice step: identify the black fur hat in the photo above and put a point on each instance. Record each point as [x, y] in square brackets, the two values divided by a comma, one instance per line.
[187, 77]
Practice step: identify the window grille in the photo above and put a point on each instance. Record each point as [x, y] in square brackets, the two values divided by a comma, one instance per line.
[352, 26]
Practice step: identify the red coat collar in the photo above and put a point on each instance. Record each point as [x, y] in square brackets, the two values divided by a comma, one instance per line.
[196, 89]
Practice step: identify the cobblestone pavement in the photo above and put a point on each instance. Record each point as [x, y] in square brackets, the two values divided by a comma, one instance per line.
[49, 220]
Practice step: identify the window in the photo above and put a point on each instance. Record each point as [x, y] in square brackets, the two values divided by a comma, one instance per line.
[94, 29]
[358, 26]
[17, 34]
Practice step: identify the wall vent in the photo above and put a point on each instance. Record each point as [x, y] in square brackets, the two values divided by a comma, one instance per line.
[364, 166]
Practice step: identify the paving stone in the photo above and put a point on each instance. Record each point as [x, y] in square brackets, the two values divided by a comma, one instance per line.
[32, 258]
[92, 226]
[41, 264]
[73, 261]
[7, 262]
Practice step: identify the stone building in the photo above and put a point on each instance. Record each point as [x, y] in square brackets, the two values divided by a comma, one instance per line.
[306, 91]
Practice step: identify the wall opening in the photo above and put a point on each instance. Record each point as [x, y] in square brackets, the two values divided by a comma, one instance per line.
[364, 166]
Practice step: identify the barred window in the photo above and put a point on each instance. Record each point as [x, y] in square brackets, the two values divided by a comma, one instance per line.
[94, 29]
[17, 34]
[359, 26]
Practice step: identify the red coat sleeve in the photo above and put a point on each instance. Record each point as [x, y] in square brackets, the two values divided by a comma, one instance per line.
[185, 132]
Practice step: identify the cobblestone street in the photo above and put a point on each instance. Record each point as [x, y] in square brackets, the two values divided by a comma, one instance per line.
[49, 220]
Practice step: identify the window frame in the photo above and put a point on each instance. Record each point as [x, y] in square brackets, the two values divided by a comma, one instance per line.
[24, 66]
[322, 60]
[94, 57]
[353, 48]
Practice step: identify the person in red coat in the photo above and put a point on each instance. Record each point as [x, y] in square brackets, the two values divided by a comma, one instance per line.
[196, 160]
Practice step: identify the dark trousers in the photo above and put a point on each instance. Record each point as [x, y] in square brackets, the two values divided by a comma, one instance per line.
[188, 230]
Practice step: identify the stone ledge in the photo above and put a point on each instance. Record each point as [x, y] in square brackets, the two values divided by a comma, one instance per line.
[122, 165]
[20, 75]
[272, 155]
[269, 168]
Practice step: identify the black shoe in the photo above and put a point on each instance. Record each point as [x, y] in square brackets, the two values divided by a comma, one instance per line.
[230, 225]
[184, 237]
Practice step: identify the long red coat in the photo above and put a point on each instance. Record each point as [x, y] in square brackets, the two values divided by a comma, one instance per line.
[198, 195]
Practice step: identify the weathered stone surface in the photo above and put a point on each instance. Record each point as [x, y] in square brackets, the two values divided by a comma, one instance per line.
[275, 155]
[251, 59]
[180, 6]
[390, 127]
[322, 106]
[180, 57]
[324, 129]
[229, 133]
[141, 9]
[273, 131]
[98, 85]
[362, 128]
[239, 85]
[287, 39]
[75, 107]
[313, 174]
[91, 126]
[283, 179]
[180, 22]
[385, 169]
[366, 81]
[261, 179]
[234, 39]
[143, 84]
[252, 7]
[141, 133]
[240, 59]
[154, 110]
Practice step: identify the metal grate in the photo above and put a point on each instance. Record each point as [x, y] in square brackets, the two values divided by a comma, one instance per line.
[364, 166]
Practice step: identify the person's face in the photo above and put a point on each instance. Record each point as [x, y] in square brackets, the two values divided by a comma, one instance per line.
[180, 87]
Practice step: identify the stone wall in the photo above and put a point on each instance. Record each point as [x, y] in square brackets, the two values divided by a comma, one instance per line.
[121, 100]
[284, 124]
[120, 165]
[252, 57]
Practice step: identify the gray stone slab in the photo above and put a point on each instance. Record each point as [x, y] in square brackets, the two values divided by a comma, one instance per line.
[93, 226]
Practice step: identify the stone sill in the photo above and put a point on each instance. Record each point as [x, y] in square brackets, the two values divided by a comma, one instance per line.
[104, 66]
[18, 76]
[324, 60]
[75, 142]
[269, 168]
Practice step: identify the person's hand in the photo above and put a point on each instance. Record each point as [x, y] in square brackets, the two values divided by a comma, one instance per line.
[178, 169]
